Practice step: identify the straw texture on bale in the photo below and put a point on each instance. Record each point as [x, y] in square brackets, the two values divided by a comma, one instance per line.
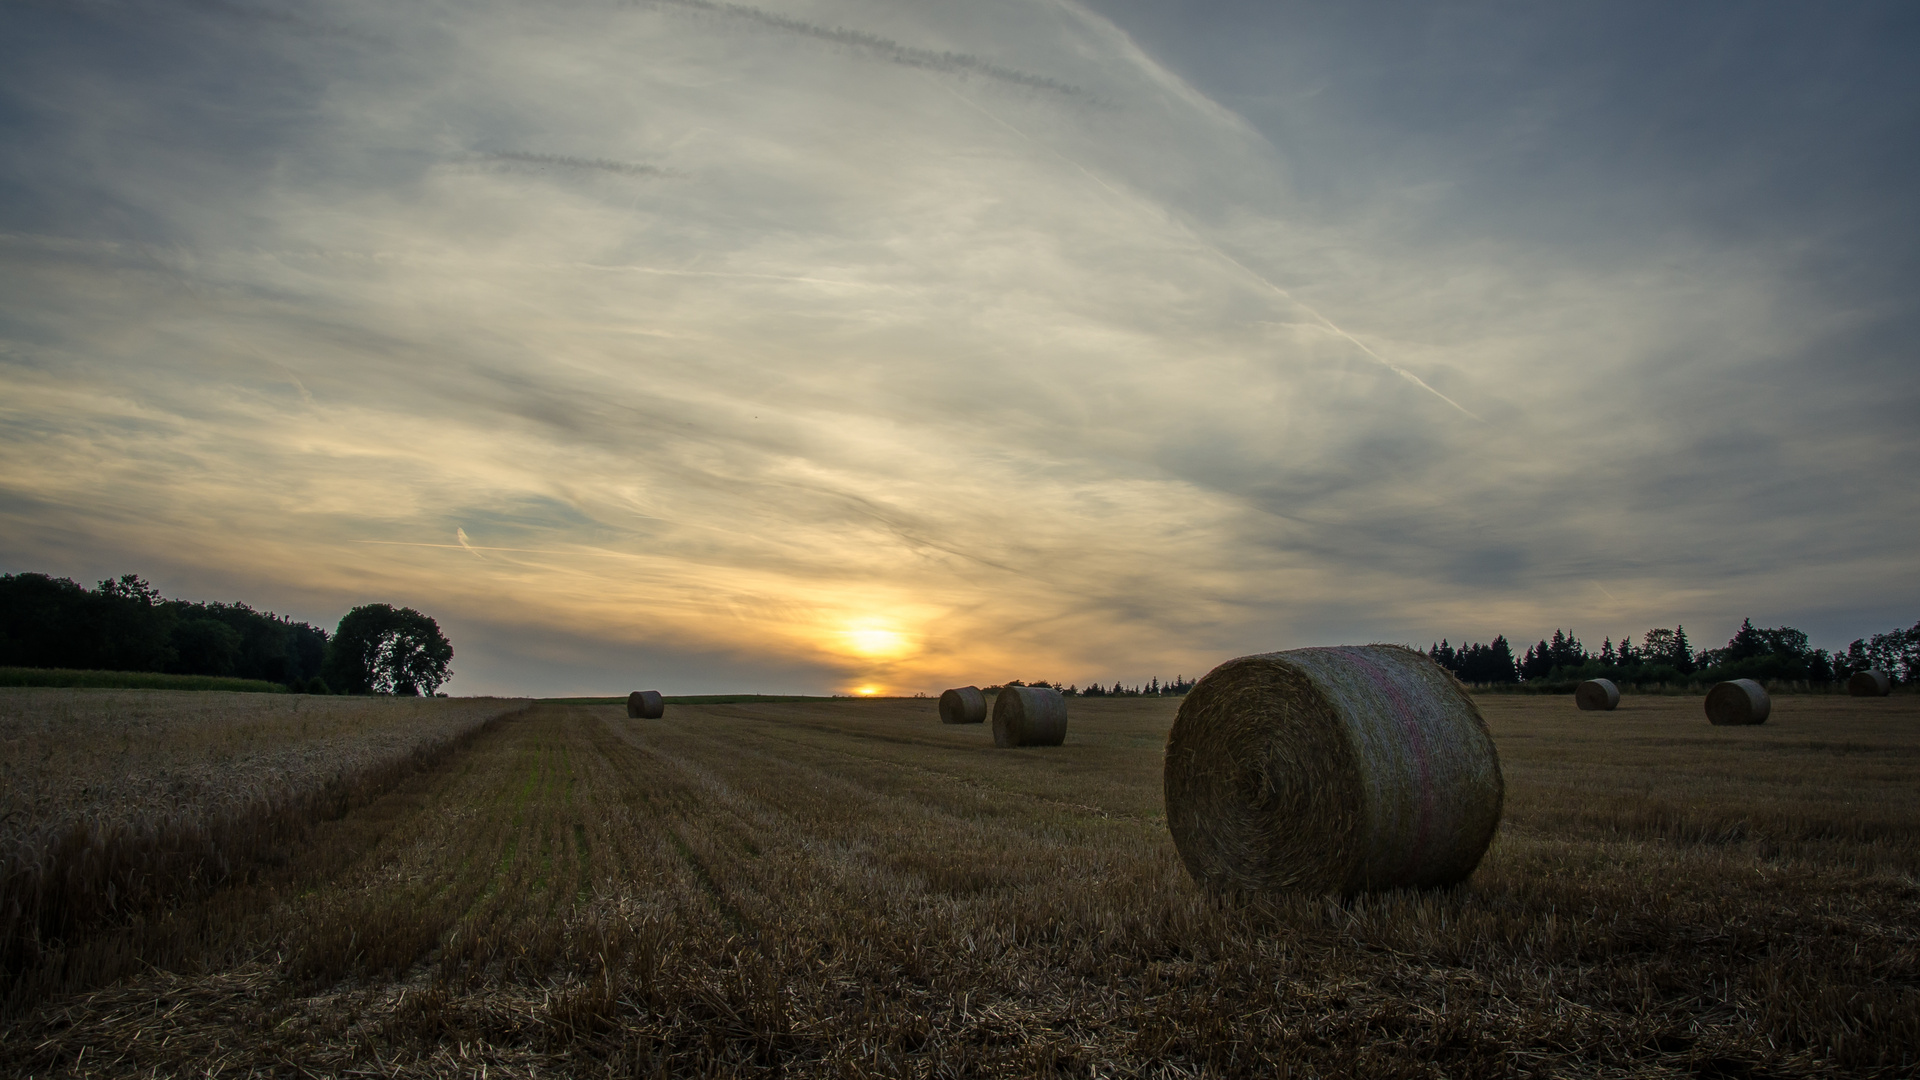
[1597, 695]
[1331, 770]
[646, 705]
[1870, 684]
[1029, 716]
[1739, 702]
[963, 705]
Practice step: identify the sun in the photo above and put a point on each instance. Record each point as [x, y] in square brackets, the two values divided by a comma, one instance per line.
[867, 691]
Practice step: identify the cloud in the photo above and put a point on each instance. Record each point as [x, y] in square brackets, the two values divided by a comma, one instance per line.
[1020, 382]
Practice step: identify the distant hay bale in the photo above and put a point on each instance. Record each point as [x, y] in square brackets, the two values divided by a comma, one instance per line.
[963, 705]
[1029, 716]
[1873, 683]
[1331, 770]
[1739, 702]
[646, 705]
[1597, 695]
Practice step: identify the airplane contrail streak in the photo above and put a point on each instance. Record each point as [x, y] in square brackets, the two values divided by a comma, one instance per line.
[478, 549]
[1217, 252]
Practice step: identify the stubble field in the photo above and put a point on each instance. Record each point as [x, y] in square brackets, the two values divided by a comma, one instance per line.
[850, 888]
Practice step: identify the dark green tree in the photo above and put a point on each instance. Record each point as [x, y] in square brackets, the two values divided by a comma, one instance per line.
[1751, 641]
[204, 646]
[1669, 647]
[1628, 656]
[1564, 651]
[380, 649]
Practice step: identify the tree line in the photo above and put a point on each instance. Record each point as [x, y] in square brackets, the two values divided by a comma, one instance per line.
[1177, 687]
[124, 624]
[1667, 656]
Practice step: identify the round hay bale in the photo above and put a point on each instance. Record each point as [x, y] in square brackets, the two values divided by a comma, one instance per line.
[646, 705]
[1029, 716]
[963, 705]
[1331, 770]
[1870, 684]
[1738, 702]
[1597, 695]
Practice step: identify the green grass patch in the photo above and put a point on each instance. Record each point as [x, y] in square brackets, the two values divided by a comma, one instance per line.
[132, 680]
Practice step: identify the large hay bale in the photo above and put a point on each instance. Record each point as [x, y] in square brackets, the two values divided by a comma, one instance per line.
[1597, 695]
[1029, 716]
[963, 705]
[1738, 702]
[1331, 770]
[646, 705]
[1870, 684]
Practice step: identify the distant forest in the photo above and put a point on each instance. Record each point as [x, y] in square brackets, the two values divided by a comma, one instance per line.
[1666, 656]
[1178, 686]
[1661, 656]
[126, 625]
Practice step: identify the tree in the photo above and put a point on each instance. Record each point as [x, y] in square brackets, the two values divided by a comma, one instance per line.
[1475, 663]
[1683, 657]
[204, 647]
[1896, 652]
[1750, 641]
[1495, 663]
[1660, 646]
[1628, 656]
[379, 649]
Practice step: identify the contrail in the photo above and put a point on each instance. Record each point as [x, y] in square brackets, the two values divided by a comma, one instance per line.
[1218, 253]
[461, 535]
[1330, 324]
[477, 549]
[665, 272]
[565, 161]
[884, 48]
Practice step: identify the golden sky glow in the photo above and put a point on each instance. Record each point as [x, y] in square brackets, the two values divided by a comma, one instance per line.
[879, 642]
[698, 347]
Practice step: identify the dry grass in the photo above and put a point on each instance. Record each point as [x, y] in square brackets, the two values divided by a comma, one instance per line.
[852, 888]
[114, 803]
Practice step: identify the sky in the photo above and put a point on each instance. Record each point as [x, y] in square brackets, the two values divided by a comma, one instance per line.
[881, 346]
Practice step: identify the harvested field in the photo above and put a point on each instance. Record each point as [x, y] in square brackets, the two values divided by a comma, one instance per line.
[853, 888]
[115, 802]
